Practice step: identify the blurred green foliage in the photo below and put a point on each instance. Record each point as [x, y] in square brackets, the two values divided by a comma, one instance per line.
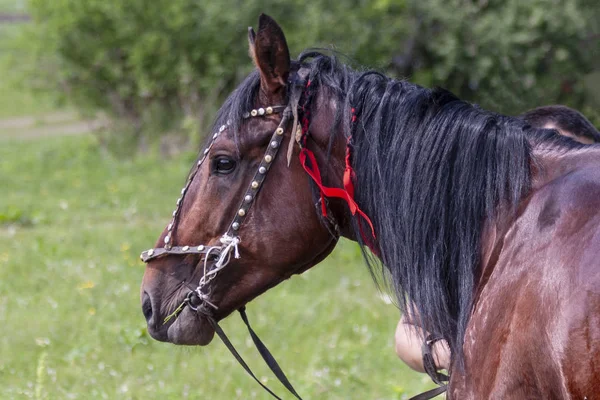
[165, 65]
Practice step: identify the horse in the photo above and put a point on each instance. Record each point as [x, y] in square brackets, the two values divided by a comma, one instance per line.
[486, 228]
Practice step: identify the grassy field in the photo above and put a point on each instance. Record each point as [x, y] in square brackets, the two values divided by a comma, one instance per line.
[72, 223]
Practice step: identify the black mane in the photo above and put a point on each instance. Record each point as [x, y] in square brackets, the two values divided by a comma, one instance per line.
[435, 168]
[430, 170]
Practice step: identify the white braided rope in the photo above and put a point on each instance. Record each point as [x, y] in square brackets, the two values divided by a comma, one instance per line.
[228, 244]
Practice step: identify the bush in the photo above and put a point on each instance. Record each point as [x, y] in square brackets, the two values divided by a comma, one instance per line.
[511, 55]
[165, 65]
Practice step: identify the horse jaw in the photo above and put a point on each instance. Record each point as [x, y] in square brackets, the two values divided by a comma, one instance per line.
[190, 329]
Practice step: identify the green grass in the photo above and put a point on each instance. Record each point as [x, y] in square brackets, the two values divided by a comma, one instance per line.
[72, 223]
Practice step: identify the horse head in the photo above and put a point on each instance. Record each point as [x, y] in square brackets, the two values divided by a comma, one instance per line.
[246, 217]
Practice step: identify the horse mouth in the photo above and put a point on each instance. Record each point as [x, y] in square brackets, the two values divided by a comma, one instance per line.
[190, 328]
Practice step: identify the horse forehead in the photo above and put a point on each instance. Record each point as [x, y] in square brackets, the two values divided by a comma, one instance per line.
[256, 132]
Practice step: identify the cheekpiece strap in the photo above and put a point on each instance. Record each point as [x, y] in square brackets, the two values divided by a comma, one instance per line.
[261, 172]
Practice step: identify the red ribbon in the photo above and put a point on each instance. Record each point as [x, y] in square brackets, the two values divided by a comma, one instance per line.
[346, 194]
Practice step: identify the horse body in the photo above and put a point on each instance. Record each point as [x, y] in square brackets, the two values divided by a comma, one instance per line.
[534, 331]
[489, 227]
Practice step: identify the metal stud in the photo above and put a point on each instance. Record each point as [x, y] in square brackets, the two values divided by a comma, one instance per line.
[174, 212]
[274, 144]
[200, 248]
[262, 170]
[178, 201]
[241, 212]
[248, 198]
[142, 256]
[170, 226]
[228, 122]
[253, 113]
[261, 111]
[185, 248]
[268, 158]
[222, 128]
[254, 185]
[235, 226]
[206, 151]
[215, 135]
[279, 131]
[167, 239]
[150, 252]
[269, 110]
[183, 190]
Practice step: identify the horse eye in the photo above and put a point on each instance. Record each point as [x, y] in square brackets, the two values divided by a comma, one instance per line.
[223, 165]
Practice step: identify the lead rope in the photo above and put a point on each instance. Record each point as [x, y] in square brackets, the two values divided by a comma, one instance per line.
[262, 349]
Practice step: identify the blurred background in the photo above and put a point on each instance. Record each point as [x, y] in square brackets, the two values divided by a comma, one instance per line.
[103, 104]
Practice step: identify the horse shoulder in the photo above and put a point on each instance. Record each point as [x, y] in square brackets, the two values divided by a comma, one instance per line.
[539, 309]
[575, 328]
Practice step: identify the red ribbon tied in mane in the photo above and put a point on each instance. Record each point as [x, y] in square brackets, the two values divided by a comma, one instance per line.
[346, 193]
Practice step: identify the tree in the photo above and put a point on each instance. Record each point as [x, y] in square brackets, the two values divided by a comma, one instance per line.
[160, 64]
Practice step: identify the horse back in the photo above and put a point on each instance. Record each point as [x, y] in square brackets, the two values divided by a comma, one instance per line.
[535, 328]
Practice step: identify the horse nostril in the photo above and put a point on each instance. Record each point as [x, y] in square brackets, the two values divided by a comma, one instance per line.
[146, 306]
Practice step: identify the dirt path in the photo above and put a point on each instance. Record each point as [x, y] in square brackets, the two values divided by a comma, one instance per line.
[63, 123]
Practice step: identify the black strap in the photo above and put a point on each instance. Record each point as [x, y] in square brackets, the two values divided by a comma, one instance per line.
[262, 349]
[430, 394]
[268, 357]
[432, 370]
[429, 362]
[237, 356]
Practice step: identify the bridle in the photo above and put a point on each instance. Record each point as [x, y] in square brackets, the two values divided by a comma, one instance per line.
[229, 240]
[197, 299]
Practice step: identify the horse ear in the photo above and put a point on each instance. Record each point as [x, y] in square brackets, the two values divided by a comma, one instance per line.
[270, 53]
[251, 40]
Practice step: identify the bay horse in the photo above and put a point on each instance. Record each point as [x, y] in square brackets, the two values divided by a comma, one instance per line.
[486, 228]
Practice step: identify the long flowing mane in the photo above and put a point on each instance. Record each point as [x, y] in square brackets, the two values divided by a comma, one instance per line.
[430, 170]
[446, 166]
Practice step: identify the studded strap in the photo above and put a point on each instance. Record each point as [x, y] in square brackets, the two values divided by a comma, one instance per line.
[259, 112]
[260, 175]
